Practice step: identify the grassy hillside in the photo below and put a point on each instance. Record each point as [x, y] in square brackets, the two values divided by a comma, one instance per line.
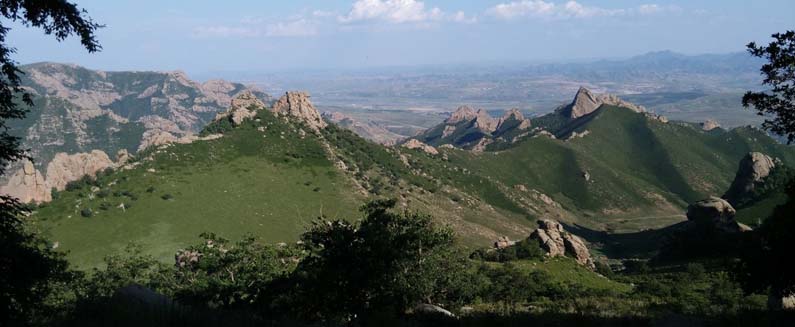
[269, 183]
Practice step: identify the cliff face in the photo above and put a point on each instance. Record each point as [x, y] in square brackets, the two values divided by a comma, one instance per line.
[78, 109]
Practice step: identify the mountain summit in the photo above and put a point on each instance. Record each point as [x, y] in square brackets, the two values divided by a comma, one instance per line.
[586, 102]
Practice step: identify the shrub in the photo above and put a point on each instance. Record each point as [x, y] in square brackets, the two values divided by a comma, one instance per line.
[86, 212]
[167, 196]
[150, 189]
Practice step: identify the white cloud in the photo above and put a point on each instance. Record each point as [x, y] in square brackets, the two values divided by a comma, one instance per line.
[569, 9]
[393, 11]
[522, 8]
[252, 28]
[461, 17]
[300, 27]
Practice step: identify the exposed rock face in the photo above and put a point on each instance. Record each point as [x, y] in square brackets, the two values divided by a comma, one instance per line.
[79, 110]
[512, 116]
[65, 168]
[709, 125]
[244, 105]
[27, 184]
[484, 122]
[503, 242]
[557, 242]
[432, 309]
[781, 302]
[754, 167]
[463, 113]
[586, 102]
[715, 212]
[415, 144]
[297, 105]
[156, 138]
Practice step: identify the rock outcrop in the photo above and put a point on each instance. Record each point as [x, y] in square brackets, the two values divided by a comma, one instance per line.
[297, 105]
[462, 114]
[244, 105]
[65, 168]
[715, 212]
[557, 242]
[29, 185]
[754, 167]
[415, 144]
[709, 125]
[586, 102]
[513, 116]
[503, 242]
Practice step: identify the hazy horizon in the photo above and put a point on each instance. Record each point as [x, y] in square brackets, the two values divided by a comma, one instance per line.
[249, 36]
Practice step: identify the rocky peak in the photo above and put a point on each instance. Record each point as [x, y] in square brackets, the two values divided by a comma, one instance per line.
[463, 113]
[754, 167]
[557, 242]
[586, 102]
[513, 115]
[297, 105]
[484, 122]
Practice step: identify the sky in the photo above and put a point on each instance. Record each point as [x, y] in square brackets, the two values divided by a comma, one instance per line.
[202, 36]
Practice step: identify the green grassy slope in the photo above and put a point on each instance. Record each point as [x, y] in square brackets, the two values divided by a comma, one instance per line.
[266, 183]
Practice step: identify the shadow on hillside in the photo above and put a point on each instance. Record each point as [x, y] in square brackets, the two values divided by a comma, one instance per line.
[643, 244]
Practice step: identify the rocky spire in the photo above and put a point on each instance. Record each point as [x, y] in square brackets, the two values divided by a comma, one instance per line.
[297, 105]
[513, 115]
[484, 122]
[586, 102]
[463, 113]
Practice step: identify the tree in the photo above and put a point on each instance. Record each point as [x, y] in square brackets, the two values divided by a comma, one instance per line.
[27, 264]
[767, 263]
[779, 102]
[382, 265]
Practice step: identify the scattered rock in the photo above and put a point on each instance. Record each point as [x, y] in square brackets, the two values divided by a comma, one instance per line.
[503, 242]
[415, 144]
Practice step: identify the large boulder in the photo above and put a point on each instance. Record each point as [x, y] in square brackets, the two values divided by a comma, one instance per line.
[754, 167]
[557, 242]
[297, 105]
[715, 212]
[65, 168]
[709, 125]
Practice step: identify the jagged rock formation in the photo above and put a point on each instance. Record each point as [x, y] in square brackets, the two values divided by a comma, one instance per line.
[29, 185]
[709, 125]
[78, 109]
[414, 144]
[754, 167]
[244, 105]
[557, 242]
[297, 105]
[586, 102]
[369, 129]
[475, 129]
[156, 137]
[717, 213]
[503, 242]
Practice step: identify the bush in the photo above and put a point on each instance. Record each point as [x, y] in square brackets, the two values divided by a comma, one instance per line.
[167, 196]
[86, 212]
[150, 189]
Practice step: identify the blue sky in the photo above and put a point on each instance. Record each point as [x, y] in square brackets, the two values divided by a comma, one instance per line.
[212, 36]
